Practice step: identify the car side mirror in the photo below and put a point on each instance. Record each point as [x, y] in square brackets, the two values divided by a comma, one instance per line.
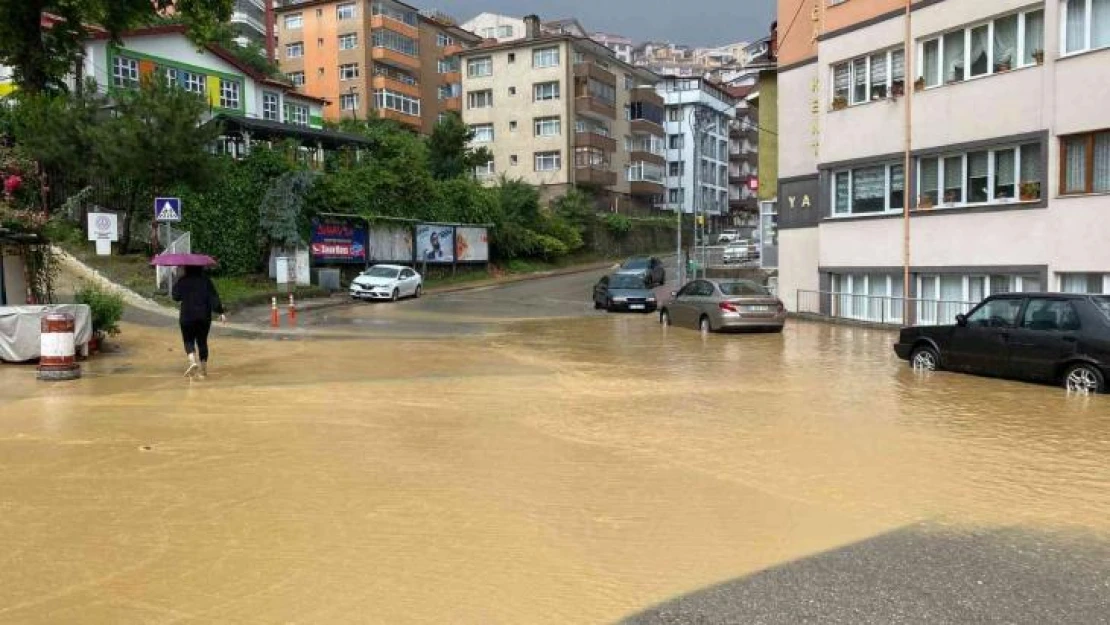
[961, 320]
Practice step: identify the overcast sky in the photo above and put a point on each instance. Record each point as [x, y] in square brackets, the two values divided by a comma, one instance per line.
[693, 22]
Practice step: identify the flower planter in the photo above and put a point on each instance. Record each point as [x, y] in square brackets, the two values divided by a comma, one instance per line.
[839, 104]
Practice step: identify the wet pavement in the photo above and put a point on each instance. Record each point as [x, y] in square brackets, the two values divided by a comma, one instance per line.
[535, 461]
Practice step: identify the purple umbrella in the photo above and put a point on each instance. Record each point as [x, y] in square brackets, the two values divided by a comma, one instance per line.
[183, 260]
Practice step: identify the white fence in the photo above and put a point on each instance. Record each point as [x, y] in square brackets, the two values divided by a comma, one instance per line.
[881, 309]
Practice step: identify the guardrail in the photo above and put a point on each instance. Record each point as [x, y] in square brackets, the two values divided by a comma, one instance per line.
[883, 310]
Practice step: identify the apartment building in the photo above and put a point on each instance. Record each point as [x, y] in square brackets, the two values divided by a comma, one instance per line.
[559, 110]
[697, 126]
[504, 28]
[743, 162]
[619, 44]
[1000, 180]
[248, 21]
[379, 57]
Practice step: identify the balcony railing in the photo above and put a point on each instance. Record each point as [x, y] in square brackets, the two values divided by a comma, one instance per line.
[880, 309]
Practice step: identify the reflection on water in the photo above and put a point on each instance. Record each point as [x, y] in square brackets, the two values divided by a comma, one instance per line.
[554, 471]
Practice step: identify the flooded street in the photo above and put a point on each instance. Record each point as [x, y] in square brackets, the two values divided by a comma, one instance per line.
[525, 460]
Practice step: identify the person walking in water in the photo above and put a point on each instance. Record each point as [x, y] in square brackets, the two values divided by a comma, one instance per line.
[199, 300]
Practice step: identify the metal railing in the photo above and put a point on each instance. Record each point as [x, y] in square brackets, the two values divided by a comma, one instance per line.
[182, 244]
[884, 310]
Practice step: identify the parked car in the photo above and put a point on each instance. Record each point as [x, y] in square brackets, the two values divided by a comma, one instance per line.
[737, 252]
[721, 305]
[388, 282]
[1047, 337]
[649, 268]
[727, 236]
[623, 291]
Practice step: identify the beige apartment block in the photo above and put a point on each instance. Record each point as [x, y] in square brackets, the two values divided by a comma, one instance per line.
[558, 111]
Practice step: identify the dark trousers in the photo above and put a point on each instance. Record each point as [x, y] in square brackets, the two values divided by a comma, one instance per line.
[195, 335]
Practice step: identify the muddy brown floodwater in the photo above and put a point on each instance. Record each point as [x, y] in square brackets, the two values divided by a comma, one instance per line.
[550, 471]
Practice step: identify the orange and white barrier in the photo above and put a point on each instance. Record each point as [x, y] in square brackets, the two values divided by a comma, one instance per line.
[58, 353]
[275, 320]
[292, 312]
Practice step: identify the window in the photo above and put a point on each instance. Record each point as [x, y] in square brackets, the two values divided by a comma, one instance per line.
[1085, 283]
[444, 40]
[294, 50]
[874, 77]
[392, 40]
[647, 112]
[483, 133]
[195, 83]
[320, 42]
[543, 91]
[997, 175]
[513, 160]
[172, 75]
[484, 171]
[348, 41]
[512, 126]
[394, 101]
[294, 21]
[876, 189]
[348, 101]
[479, 99]
[270, 103]
[394, 13]
[674, 114]
[645, 172]
[125, 72]
[997, 46]
[1086, 163]
[1086, 25]
[478, 67]
[512, 91]
[345, 11]
[549, 161]
[296, 114]
[504, 32]
[1050, 315]
[229, 94]
[297, 78]
[676, 168]
[676, 142]
[545, 57]
[676, 196]
[585, 124]
[453, 90]
[548, 126]
[348, 71]
[999, 313]
[448, 66]
[591, 157]
[629, 83]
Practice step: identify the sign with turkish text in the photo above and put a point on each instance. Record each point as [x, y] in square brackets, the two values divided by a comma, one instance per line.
[339, 240]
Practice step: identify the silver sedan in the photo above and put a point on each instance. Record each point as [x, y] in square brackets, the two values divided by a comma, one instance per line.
[716, 306]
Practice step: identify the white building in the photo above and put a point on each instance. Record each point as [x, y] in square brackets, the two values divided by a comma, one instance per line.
[504, 28]
[697, 126]
[621, 46]
[248, 19]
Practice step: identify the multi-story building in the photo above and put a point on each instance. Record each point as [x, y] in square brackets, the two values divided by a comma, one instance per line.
[504, 28]
[248, 20]
[559, 110]
[378, 57]
[697, 126]
[619, 44]
[743, 162]
[975, 156]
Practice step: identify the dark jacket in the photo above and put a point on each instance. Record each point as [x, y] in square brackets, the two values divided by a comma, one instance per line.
[198, 298]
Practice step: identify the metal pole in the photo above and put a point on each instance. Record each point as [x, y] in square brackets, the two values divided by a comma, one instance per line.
[680, 267]
[908, 90]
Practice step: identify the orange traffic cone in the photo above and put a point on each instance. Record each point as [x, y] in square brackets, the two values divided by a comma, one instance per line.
[292, 312]
[275, 321]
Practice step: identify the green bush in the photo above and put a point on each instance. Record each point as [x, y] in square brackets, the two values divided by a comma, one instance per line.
[106, 308]
[619, 225]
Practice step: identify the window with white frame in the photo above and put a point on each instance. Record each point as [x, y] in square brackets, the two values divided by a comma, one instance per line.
[1003, 174]
[348, 101]
[504, 32]
[443, 40]
[448, 66]
[940, 297]
[645, 172]
[593, 126]
[872, 297]
[270, 105]
[348, 71]
[548, 126]
[172, 76]
[1085, 25]
[994, 47]
[483, 133]
[873, 77]
[348, 41]
[297, 78]
[345, 11]
[479, 67]
[867, 190]
[229, 94]
[1085, 283]
[479, 99]
[544, 91]
[294, 21]
[548, 161]
[393, 40]
[125, 72]
[194, 83]
[588, 156]
[294, 50]
[296, 114]
[485, 171]
[385, 99]
[1085, 159]
[545, 57]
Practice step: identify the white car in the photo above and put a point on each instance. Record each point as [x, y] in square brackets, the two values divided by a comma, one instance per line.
[737, 252]
[389, 282]
[728, 236]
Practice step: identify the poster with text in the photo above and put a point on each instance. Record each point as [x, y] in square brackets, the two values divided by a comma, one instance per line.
[338, 240]
[471, 245]
[435, 243]
[390, 243]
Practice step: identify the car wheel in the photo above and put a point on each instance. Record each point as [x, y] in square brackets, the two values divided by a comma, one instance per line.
[396, 295]
[1084, 378]
[704, 325]
[419, 291]
[665, 318]
[925, 358]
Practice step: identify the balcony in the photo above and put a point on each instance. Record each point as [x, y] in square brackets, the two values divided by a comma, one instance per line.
[410, 120]
[594, 140]
[381, 21]
[452, 104]
[452, 50]
[380, 81]
[646, 127]
[646, 188]
[648, 95]
[596, 176]
[595, 71]
[450, 78]
[595, 107]
[638, 155]
[392, 57]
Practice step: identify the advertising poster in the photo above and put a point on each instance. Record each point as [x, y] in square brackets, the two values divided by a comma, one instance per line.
[435, 243]
[390, 243]
[471, 245]
[338, 240]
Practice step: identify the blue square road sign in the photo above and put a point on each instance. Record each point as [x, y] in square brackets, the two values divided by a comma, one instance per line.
[167, 209]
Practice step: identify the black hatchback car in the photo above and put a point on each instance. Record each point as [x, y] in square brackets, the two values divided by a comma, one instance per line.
[1046, 337]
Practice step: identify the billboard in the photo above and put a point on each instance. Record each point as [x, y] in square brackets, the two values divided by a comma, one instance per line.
[338, 240]
[390, 243]
[471, 244]
[435, 243]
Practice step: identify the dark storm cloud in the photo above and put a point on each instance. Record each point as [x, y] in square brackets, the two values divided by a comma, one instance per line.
[694, 22]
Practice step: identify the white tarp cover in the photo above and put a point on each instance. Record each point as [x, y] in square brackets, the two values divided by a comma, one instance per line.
[21, 326]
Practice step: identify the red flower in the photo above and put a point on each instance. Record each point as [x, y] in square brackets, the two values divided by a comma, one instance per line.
[12, 184]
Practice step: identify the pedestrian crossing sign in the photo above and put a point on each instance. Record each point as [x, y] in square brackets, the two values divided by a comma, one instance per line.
[167, 209]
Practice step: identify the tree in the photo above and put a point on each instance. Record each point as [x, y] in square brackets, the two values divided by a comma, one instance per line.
[41, 57]
[450, 154]
[282, 210]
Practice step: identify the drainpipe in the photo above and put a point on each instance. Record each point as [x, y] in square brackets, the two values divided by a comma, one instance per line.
[908, 90]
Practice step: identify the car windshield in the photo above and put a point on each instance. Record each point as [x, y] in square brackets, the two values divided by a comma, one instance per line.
[381, 272]
[1103, 304]
[626, 282]
[635, 263]
[742, 288]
